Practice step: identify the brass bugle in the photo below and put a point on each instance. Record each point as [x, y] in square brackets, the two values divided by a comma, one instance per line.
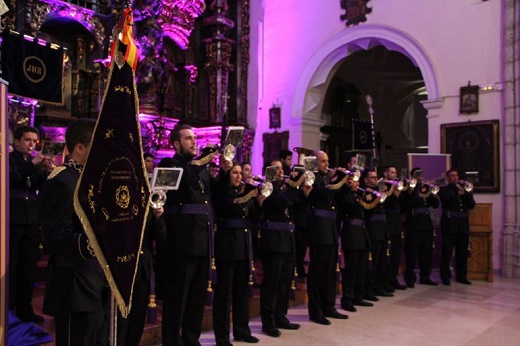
[157, 199]
[265, 189]
[381, 196]
[399, 184]
[354, 174]
[466, 185]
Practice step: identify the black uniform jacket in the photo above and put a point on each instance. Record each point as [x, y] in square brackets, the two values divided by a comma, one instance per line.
[393, 215]
[276, 209]
[322, 230]
[417, 210]
[354, 235]
[187, 232]
[376, 222]
[75, 279]
[454, 206]
[233, 241]
[24, 179]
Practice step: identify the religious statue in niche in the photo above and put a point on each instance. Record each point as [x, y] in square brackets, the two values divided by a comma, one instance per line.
[355, 11]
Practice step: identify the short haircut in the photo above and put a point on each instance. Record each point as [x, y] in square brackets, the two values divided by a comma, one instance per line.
[366, 171]
[450, 171]
[20, 131]
[387, 168]
[246, 163]
[175, 135]
[284, 153]
[147, 155]
[212, 164]
[415, 169]
[79, 132]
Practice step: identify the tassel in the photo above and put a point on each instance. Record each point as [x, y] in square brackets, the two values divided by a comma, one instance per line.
[209, 294]
[151, 312]
[259, 234]
[338, 273]
[253, 271]
[370, 265]
[251, 287]
[402, 235]
[469, 249]
[213, 271]
[293, 291]
[388, 250]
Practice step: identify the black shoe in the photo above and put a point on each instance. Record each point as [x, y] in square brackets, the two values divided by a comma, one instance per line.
[247, 338]
[446, 282]
[398, 286]
[348, 307]
[224, 343]
[410, 284]
[320, 319]
[371, 297]
[383, 294]
[464, 281]
[272, 332]
[288, 325]
[30, 318]
[390, 289]
[429, 282]
[362, 303]
[336, 314]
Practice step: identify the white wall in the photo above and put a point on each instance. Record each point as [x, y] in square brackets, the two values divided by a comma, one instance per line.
[462, 40]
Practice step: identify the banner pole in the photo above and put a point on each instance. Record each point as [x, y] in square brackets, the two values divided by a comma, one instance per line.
[368, 98]
[113, 320]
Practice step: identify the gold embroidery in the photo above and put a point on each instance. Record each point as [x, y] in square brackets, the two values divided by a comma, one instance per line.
[90, 201]
[123, 196]
[56, 171]
[131, 136]
[109, 134]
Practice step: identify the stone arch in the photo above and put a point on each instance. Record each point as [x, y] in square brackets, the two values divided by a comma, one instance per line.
[316, 76]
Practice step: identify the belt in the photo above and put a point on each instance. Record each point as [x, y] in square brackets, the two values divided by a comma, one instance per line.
[393, 210]
[354, 222]
[280, 226]
[416, 211]
[235, 223]
[329, 214]
[190, 209]
[378, 217]
[456, 214]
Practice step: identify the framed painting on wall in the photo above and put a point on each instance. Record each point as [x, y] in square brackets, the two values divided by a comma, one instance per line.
[274, 143]
[474, 149]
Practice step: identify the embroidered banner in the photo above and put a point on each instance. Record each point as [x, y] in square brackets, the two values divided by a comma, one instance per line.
[112, 196]
[362, 135]
[32, 69]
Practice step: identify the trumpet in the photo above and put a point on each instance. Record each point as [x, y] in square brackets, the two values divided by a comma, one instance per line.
[157, 199]
[250, 190]
[264, 187]
[466, 186]
[428, 189]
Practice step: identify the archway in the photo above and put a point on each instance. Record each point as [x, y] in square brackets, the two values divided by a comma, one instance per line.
[306, 117]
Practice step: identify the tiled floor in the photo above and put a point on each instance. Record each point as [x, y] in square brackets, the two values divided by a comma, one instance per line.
[481, 314]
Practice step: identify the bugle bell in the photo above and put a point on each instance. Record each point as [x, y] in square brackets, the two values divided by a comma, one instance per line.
[157, 199]
[398, 184]
[209, 152]
[466, 185]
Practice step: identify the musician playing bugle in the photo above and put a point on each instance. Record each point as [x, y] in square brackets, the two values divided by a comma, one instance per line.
[395, 228]
[456, 201]
[419, 230]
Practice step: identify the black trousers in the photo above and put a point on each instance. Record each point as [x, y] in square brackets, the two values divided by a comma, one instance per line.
[353, 280]
[183, 306]
[23, 257]
[396, 249]
[459, 242]
[130, 330]
[278, 272]
[321, 280]
[83, 329]
[419, 247]
[376, 276]
[301, 249]
[231, 290]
